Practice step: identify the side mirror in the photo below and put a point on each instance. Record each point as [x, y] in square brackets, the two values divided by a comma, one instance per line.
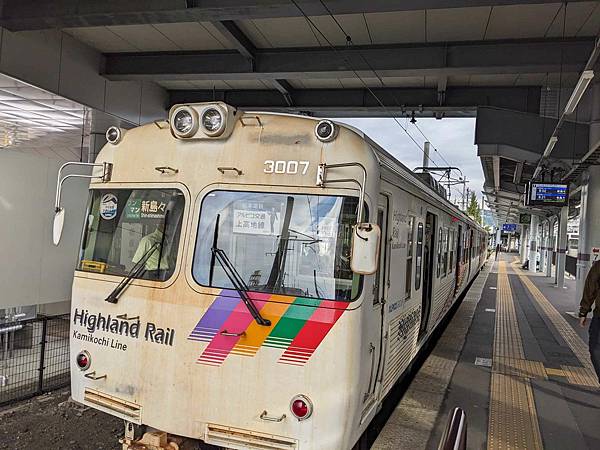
[365, 248]
[59, 223]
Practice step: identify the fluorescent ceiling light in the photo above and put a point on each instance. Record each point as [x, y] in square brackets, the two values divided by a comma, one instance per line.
[580, 87]
[550, 146]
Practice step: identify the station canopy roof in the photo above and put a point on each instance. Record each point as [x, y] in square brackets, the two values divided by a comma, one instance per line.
[436, 57]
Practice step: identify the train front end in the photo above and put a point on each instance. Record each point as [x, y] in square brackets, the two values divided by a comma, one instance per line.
[223, 273]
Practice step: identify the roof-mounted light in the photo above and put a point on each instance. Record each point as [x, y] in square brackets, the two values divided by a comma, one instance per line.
[213, 121]
[326, 131]
[114, 135]
[184, 122]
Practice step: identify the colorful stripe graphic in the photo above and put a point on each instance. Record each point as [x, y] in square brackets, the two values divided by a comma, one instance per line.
[298, 326]
[312, 333]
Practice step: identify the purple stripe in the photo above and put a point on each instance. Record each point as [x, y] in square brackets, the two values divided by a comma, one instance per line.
[218, 312]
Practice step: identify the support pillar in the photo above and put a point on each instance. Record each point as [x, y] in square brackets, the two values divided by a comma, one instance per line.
[498, 236]
[533, 247]
[523, 244]
[542, 247]
[561, 251]
[589, 213]
[550, 247]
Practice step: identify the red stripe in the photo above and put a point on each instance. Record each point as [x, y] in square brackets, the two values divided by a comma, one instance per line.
[315, 330]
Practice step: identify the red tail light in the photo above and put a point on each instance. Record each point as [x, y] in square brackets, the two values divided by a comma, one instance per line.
[301, 407]
[83, 360]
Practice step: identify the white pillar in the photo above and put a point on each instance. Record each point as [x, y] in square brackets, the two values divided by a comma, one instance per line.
[542, 248]
[499, 236]
[523, 243]
[561, 251]
[533, 247]
[550, 247]
[583, 251]
[589, 213]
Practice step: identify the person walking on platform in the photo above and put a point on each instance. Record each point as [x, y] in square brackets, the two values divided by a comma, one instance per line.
[497, 251]
[591, 295]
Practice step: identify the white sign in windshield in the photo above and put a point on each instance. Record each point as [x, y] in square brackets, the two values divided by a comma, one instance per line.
[251, 222]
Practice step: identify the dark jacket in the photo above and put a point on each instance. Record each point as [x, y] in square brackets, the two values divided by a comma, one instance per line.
[591, 292]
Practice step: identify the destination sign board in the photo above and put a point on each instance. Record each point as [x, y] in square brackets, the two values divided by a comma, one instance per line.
[548, 194]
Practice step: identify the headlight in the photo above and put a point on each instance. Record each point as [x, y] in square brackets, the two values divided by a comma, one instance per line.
[184, 122]
[213, 121]
[326, 130]
[114, 135]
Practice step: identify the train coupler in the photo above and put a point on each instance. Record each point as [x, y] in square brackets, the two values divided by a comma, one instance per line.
[152, 440]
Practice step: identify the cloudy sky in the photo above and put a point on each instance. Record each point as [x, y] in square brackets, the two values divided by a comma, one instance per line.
[451, 136]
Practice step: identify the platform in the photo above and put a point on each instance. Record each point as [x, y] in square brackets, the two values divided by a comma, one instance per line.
[522, 375]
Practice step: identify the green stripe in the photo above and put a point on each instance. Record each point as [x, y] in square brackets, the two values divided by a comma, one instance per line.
[293, 319]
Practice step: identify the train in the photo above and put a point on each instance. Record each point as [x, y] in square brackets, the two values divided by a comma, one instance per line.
[256, 280]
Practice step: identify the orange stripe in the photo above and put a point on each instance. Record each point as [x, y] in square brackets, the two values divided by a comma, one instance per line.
[255, 333]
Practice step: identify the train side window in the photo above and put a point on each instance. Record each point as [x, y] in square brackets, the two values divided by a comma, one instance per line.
[451, 246]
[409, 257]
[445, 253]
[439, 252]
[419, 253]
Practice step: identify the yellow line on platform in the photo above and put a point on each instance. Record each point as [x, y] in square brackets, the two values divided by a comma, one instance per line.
[576, 375]
[513, 422]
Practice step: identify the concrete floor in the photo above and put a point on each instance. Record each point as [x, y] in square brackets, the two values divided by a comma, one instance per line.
[564, 408]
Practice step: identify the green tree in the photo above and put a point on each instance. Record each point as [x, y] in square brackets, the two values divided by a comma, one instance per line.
[473, 210]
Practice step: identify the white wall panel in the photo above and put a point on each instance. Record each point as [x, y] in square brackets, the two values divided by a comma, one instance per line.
[34, 271]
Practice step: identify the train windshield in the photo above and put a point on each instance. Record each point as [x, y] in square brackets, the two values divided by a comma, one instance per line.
[132, 231]
[289, 244]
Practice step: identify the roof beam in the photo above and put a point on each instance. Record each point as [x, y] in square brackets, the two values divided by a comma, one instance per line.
[20, 15]
[496, 164]
[360, 102]
[498, 57]
[518, 172]
[236, 37]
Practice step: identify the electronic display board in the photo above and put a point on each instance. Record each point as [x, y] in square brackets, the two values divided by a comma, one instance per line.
[548, 194]
[525, 219]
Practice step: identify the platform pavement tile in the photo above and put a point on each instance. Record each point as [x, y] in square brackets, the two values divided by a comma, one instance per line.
[407, 428]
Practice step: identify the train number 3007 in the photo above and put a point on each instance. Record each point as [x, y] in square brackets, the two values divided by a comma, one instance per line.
[289, 167]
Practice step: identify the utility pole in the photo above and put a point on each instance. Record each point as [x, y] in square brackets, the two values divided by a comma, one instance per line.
[426, 146]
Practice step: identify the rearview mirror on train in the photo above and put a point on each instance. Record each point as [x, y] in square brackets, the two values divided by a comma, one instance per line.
[59, 223]
[365, 248]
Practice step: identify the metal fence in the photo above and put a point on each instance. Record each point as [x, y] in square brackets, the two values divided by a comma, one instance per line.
[34, 357]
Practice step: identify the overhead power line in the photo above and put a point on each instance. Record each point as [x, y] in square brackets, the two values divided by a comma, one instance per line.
[367, 87]
[379, 78]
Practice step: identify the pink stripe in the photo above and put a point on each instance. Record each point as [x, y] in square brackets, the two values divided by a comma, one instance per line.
[237, 322]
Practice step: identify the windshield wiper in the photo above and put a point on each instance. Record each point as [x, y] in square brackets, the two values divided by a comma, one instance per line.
[234, 277]
[135, 271]
[140, 266]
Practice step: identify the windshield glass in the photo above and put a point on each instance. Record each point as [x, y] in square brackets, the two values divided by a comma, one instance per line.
[129, 226]
[292, 244]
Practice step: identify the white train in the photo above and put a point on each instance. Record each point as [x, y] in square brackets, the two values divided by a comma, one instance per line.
[257, 280]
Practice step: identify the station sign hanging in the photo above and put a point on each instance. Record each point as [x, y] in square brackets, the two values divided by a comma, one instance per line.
[509, 227]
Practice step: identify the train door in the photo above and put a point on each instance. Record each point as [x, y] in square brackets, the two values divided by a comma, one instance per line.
[459, 250]
[428, 270]
[377, 314]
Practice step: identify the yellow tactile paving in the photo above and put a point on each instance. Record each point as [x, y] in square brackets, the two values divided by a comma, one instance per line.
[580, 375]
[519, 367]
[513, 420]
[584, 375]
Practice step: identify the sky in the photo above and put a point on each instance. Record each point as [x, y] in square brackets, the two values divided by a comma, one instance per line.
[452, 137]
